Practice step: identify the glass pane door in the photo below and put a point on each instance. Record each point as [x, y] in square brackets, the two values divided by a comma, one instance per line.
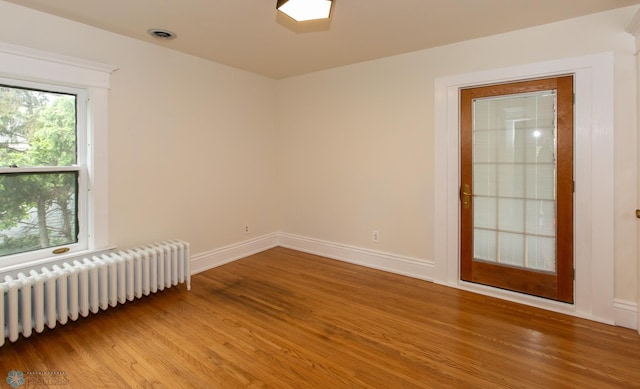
[514, 175]
[516, 186]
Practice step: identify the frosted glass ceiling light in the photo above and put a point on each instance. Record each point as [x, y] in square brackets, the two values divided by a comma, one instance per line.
[304, 10]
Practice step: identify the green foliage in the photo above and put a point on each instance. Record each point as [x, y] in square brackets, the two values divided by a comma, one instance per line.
[17, 245]
[36, 129]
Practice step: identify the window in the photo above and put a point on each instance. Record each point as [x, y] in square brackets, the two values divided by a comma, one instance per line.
[42, 168]
[53, 157]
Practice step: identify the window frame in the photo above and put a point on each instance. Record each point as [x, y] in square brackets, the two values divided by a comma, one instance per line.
[80, 167]
[90, 81]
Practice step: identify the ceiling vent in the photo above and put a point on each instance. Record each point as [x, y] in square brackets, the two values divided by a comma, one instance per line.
[161, 34]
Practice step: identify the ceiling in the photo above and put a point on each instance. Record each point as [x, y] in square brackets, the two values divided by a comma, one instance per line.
[252, 35]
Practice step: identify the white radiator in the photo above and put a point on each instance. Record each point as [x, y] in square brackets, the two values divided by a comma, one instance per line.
[67, 291]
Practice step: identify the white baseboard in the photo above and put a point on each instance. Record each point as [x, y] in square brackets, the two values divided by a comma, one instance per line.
[214, 258]
[407, 266]
[626, 314]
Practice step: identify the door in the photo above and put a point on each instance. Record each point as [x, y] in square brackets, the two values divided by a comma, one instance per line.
[516, 190]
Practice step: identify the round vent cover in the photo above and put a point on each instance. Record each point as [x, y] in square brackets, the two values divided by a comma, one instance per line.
[162, 34]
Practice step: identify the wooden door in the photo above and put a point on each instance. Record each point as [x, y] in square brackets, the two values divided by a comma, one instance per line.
[516, 190]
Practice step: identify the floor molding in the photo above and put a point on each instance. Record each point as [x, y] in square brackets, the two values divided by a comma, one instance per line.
[233, 252]
[393, 263]
[626, 314]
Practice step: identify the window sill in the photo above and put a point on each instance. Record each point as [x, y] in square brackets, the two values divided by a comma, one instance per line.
[26, 267]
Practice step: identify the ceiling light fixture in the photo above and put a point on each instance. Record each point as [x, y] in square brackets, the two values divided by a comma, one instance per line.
[305, 10]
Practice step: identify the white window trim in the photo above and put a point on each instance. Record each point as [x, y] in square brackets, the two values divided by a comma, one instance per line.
[82, 244]
[25, 64]
[594, 172]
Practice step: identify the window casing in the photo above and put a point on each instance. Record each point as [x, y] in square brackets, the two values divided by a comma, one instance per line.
[90, 82]
[47, 225]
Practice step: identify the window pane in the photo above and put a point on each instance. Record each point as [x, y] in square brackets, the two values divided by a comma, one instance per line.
[484, 245]
[38, 210]
[514, 177]
[541, 253]
[37, 128]
[484, 213]
[511, 215]
[511, 249]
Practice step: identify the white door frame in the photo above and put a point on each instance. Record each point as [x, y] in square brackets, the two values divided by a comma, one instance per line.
[594, 172]
[634, 29]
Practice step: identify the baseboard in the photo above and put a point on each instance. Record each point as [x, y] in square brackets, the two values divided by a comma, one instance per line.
[393, 263]
[626, 314]
[214, 258]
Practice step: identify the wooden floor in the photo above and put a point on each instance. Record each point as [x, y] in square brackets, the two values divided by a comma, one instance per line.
[283, 319]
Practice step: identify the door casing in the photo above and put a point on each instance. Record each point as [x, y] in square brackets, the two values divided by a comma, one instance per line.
[594, 171]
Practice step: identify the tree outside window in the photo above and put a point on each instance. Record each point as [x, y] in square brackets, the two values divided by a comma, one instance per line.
[38, 170]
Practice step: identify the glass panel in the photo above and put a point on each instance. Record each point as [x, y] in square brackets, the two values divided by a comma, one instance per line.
[511, 180]
[37, 128]
[484, 146]
[541, 253]
[540, 145]
[38, 210]
[541, 181]
[484, 245]
[514, 179]
[511, 249]
[485, 182]
[484, 212]
[511, 141]
[481, 116]
[511, 216]
[541, 217]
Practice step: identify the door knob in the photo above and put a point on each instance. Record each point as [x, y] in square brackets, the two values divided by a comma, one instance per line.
[466, 196]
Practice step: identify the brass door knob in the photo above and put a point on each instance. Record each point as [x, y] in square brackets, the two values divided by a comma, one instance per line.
[466, 196]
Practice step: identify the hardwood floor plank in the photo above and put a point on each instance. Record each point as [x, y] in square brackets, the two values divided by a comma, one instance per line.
[285, 319]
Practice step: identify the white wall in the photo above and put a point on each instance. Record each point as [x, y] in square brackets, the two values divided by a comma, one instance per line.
[191, 142]
[357, 142]
[197, 149]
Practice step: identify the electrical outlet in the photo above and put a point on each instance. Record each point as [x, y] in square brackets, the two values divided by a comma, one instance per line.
[375, 236]
[246, 229]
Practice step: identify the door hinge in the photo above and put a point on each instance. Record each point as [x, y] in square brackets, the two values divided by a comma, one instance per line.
[574, 274]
